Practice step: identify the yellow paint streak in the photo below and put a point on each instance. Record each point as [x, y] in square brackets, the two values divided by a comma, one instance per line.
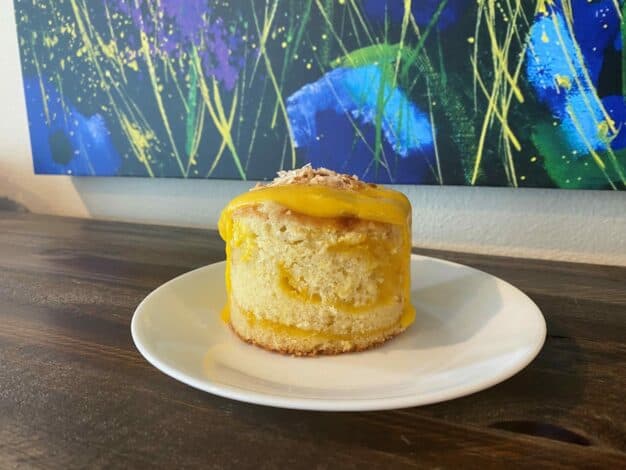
[269, 17]
[418, 33]
[616, 165]
[426, 62]
[90, 50]
[542, 6]
[617, 9]
[506, 103]
[256, 121]
[217, 158]
[118, 59]
[62, 98]
[483, 132]
[68, 29]
[50, 41]
[216, 111]
[334, 32]
[491, 105]
[44, 97]
[346, 53]
[567, 9]
[581, 59]
[504, 86]
[594, 154]
[197, 138]
[267, 25]
[433, 129]
[405, 23]
[138, 139]
[109, 50]
[170, 68]
[475, 55]
[220, 111]
[357, 11]
[503, 121]
[145, 49]
[263, 35]
[570, 63]
[589, 89]
[604, 129]
[563, 81]
[355, 30]
[348, 115]
[581, 132]
[500, 53]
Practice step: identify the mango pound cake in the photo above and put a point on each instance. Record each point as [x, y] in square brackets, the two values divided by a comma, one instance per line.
[317, 263]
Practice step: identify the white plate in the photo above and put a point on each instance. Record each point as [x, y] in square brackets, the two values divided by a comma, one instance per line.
[472, 331]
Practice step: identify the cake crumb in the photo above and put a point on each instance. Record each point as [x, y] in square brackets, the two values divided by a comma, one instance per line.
[315, 176]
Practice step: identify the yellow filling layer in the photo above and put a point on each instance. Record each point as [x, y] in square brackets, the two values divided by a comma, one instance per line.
[386, 290]
[295, 332]
[376, 204]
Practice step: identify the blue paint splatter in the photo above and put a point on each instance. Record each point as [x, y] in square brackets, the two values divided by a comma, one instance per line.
[595, 25]
[422, 10]
[333, 120]
[70, 143]
[548, 39]
[615, 105]
[587, 118]
[557, 74]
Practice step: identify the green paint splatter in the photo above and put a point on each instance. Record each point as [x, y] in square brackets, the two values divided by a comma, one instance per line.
[568, 170]
[190, 124]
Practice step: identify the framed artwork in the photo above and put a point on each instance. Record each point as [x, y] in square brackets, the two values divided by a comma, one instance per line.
[520, 93]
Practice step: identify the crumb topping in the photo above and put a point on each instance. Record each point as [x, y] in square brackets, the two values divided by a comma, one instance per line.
[315, 176]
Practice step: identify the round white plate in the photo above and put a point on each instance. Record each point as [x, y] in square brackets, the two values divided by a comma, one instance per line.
[472, 331]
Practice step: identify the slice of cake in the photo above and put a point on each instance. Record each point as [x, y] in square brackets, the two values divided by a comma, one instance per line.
[317, 263]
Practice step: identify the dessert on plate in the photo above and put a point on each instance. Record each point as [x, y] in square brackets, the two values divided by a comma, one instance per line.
[317, 262]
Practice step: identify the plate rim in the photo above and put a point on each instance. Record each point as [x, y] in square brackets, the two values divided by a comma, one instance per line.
[336, 404]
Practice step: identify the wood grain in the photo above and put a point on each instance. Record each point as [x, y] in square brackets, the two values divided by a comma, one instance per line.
[75, 393]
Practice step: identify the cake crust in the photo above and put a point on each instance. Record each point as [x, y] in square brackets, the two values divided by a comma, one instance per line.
[326, 351]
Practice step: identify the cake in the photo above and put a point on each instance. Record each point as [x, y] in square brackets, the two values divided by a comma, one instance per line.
[317, 263]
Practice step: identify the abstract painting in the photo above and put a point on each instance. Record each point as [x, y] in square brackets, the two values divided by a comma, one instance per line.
[519, 93]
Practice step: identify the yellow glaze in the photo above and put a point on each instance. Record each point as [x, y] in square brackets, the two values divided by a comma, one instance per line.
[372, 203]
[244, 239]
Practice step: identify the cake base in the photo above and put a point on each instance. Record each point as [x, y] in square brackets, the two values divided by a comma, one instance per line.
[295, 342]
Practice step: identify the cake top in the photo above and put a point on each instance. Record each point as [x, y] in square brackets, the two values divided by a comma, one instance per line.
[323, 193]
[315, 176]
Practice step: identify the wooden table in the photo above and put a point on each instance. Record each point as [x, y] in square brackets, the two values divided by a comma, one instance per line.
[75, 393]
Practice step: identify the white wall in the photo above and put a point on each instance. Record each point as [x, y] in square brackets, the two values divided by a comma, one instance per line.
[588, 226]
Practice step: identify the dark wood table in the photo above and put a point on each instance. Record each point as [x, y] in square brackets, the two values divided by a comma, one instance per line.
[75, 393]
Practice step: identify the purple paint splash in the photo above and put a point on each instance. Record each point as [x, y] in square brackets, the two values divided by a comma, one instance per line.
[179, 26]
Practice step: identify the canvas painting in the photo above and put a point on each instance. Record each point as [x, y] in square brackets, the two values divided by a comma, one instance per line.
[519, 93]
